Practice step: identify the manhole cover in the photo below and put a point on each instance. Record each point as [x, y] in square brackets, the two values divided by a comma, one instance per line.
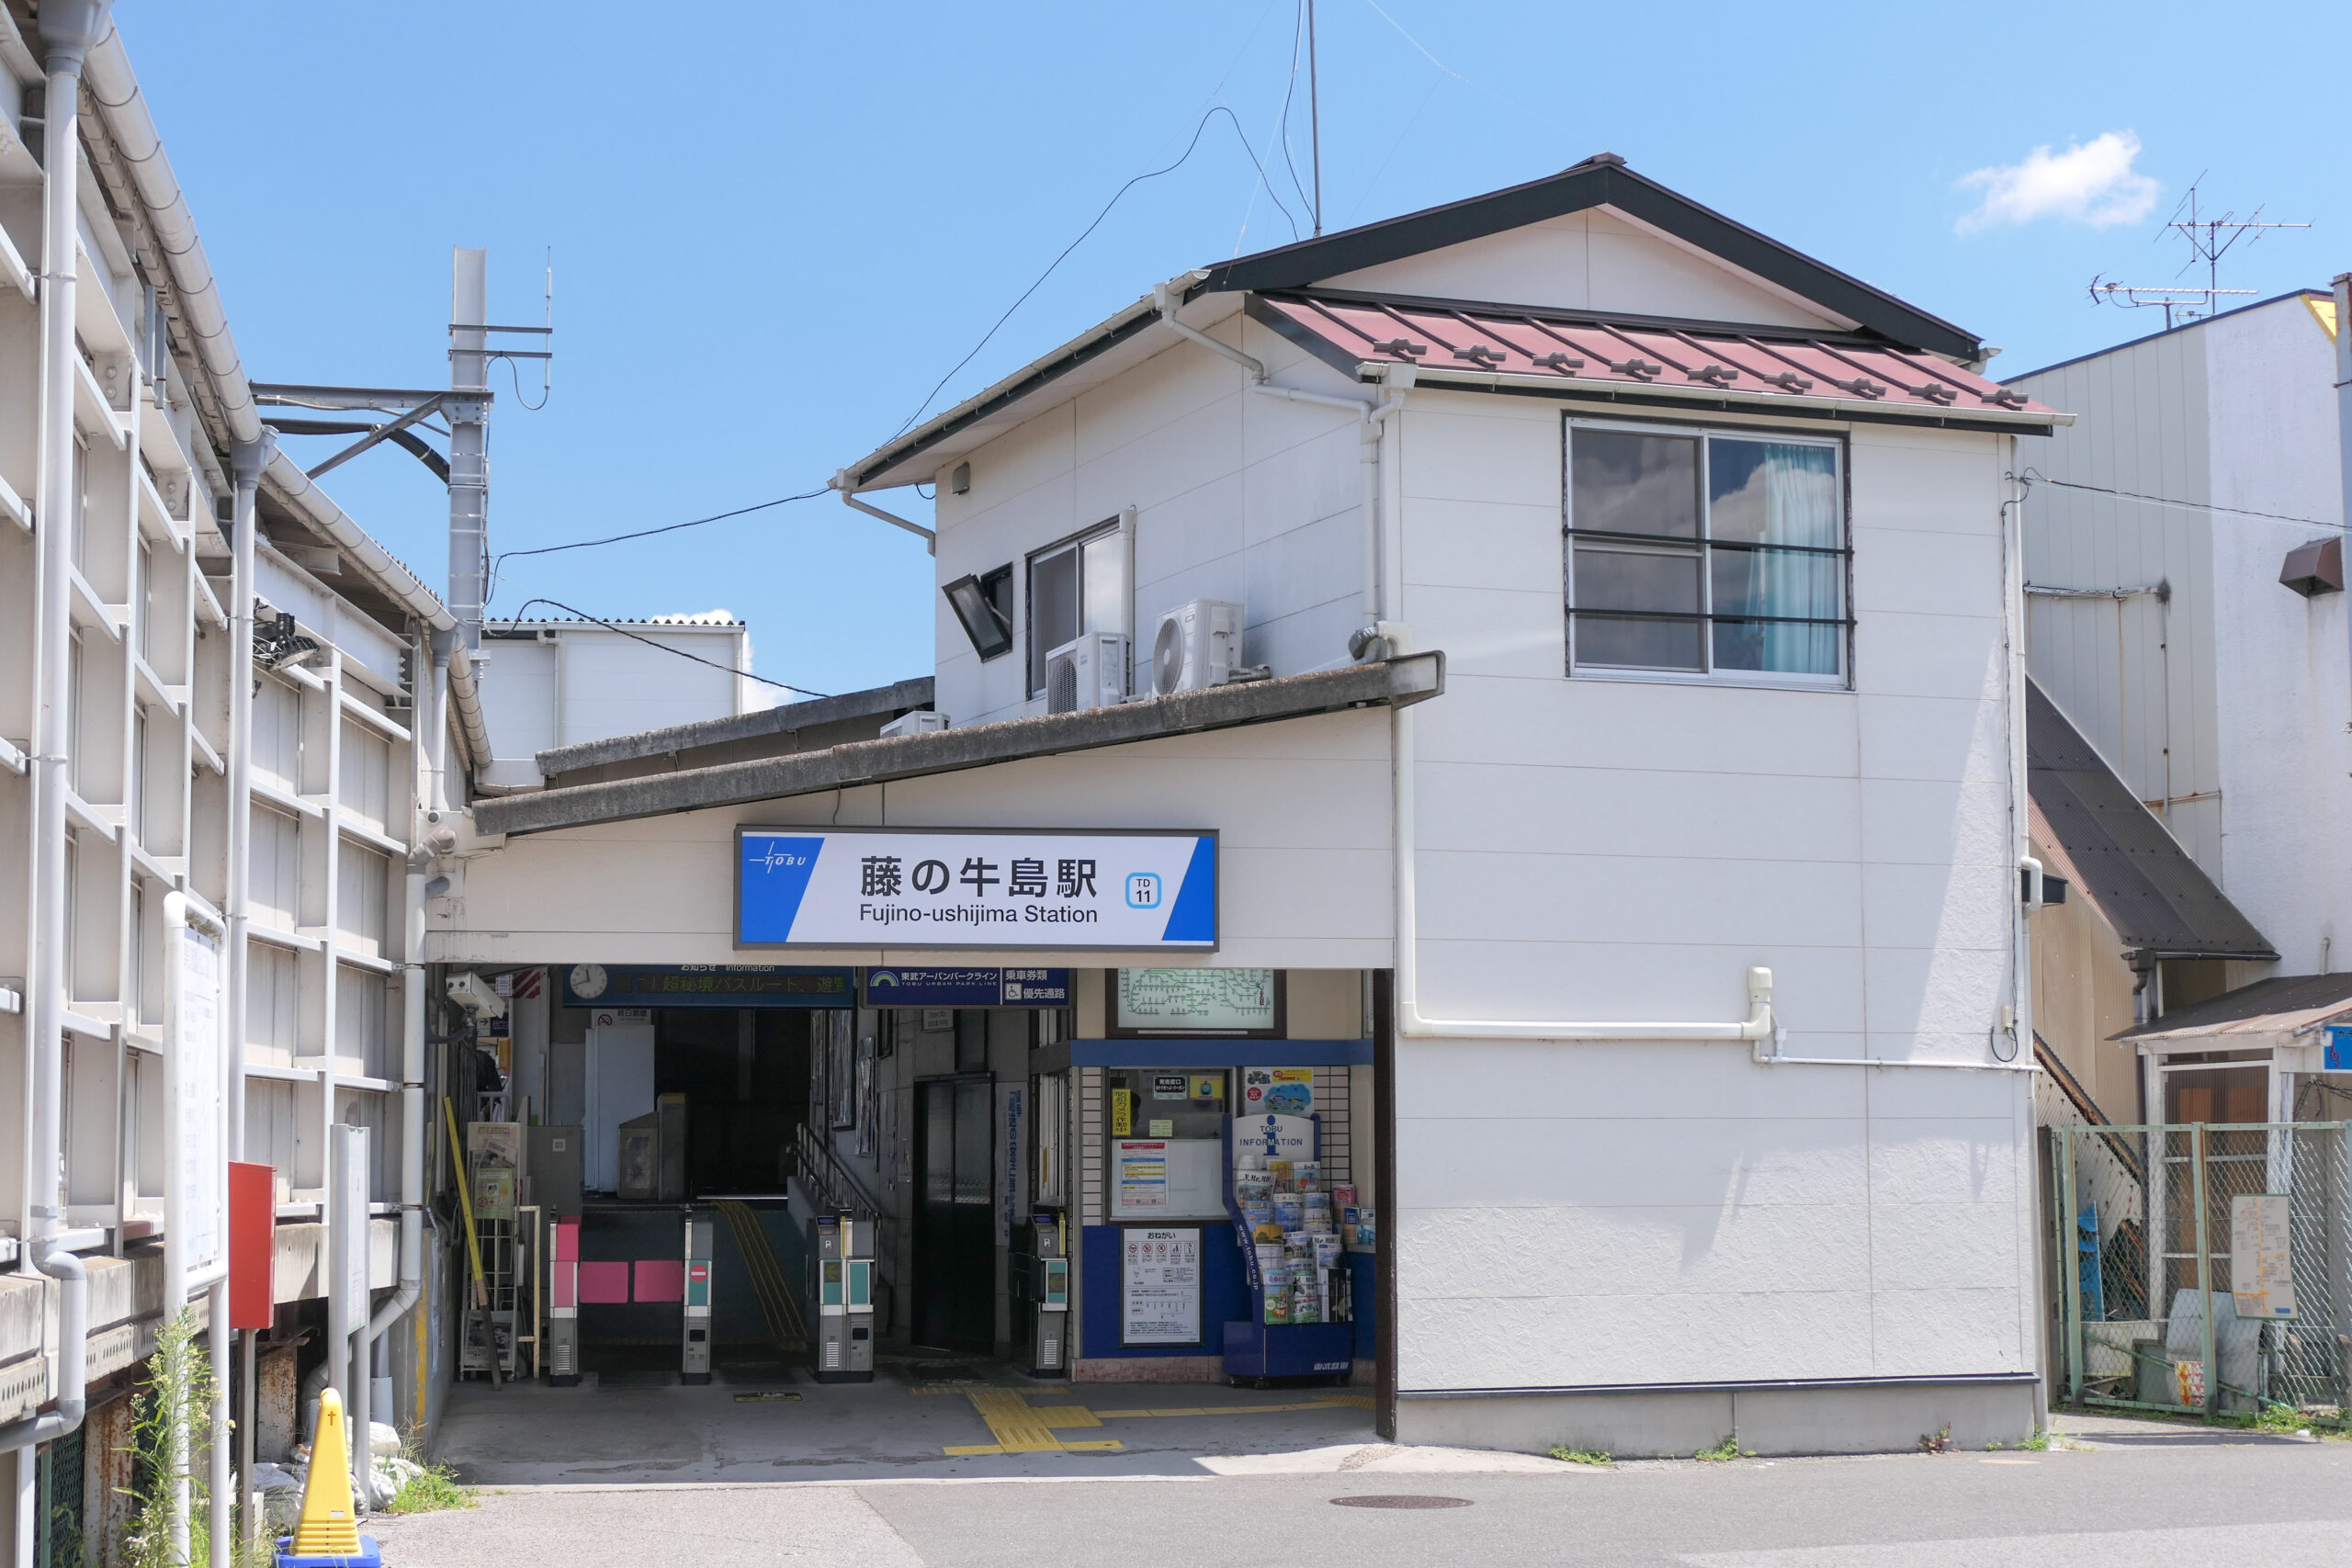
[1406, 1500]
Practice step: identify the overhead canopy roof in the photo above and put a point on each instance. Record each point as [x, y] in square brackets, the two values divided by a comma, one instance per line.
[2158, 900]
[1542, 350]
[2286, 1005]
[1129, 337]
[1395, 683]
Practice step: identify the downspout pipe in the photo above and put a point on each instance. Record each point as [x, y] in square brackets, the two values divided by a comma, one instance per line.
[246, 461]
[1373, 414]
[412, 1124]
[2344, 402]
[68, 30]
[842, 481]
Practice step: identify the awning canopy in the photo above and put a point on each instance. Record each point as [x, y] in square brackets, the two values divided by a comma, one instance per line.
[2286, 1010]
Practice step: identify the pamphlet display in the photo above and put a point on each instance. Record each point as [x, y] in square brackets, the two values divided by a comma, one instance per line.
[1295, 1259]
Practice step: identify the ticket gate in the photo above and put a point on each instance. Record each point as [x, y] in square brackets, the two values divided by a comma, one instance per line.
[841, 1264]
[695, 1367]
[1041, 1296]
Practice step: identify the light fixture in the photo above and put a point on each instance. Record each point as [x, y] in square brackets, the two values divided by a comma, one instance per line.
[983, 605]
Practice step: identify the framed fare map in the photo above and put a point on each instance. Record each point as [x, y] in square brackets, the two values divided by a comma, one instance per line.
[1238, 1002]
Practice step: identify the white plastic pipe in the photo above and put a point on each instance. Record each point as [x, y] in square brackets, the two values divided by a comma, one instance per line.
[68, 30]
[412, 1124]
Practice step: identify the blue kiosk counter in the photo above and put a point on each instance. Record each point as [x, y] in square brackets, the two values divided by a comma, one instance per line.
[1221, 1236]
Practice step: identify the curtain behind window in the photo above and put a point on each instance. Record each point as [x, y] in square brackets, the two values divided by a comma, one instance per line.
[1774, 493]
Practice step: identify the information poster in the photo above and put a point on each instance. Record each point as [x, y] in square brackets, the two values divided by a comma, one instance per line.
[194, 1072]
[1285, 1091]
[2262, 1277]
[1139, 1173]
[1163, 1287]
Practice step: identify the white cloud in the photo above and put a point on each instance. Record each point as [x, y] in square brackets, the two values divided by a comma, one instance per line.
[2091, 183]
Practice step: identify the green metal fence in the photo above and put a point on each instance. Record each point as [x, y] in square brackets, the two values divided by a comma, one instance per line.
[2205, 1267]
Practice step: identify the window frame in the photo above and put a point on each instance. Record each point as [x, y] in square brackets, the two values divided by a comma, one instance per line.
[1033, 656]
[1703, 543]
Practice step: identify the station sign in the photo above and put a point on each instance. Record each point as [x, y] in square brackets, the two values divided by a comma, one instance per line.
[967, 987]
[901, 887]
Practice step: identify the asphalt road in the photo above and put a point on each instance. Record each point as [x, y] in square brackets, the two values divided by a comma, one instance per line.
[2143, 1495]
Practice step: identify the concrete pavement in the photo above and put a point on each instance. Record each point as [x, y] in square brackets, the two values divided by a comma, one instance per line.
[2138, 1493]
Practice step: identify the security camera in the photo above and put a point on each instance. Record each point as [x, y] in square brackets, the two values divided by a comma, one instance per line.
[476, 994]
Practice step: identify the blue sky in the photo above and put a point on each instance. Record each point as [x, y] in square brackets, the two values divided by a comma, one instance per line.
[775, 227]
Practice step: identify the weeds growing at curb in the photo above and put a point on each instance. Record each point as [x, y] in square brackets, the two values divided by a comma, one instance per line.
[1727, 1449]
[1598, 1458]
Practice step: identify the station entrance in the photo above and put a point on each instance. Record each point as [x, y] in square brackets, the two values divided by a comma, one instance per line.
[785, 1180]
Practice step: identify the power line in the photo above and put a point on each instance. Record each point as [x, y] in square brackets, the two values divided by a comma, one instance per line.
[506, 556]
[2035, 477]
[664, 646]
[1153, 175]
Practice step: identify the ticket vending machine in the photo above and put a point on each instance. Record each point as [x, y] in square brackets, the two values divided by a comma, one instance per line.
[1041, 1294]
[696, 1367]
[840, 1258]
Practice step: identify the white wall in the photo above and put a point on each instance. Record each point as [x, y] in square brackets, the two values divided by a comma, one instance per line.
[588, 683]
[1598, 260]
[1238, 497]
[2139, 425]
[2283, 667]
[1596, 847]
[2238, 412]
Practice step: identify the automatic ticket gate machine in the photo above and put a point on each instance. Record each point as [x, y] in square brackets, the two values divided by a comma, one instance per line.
[695, 1367]
[841, 1261]
[1041, 1296]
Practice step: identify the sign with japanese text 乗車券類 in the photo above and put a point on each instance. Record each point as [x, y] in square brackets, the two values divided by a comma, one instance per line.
[965, 987]
[986, 888]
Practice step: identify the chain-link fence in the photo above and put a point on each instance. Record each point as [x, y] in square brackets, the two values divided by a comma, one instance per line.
[2206, 1267]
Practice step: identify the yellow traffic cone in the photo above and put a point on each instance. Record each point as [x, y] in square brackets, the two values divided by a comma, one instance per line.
[328, 1530]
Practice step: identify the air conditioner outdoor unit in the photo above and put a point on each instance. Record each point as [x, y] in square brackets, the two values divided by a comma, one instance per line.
[920, 721]
[1089, 672]
[1198, 644]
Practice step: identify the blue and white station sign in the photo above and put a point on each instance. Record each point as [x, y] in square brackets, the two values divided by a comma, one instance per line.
[981, 888]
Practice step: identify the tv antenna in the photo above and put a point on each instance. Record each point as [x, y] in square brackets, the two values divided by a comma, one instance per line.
[2208, 239]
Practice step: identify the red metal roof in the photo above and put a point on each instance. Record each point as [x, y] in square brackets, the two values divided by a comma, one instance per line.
[1441, 336]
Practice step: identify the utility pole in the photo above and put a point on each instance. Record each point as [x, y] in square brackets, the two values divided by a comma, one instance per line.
[468, 410]
[1315, 117]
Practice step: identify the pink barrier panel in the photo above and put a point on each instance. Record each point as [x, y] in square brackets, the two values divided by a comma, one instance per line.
[660, 1279]
[603, 1283]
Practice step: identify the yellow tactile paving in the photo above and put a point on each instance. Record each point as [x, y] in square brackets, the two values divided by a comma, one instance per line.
[1020, 1427]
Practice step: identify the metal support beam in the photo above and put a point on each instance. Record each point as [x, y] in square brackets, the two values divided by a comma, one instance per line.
[376, 434]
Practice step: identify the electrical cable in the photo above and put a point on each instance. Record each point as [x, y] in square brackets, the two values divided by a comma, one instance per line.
[1290, 94]
[506, 555]
[698, 658]
[2032, 477]
[1188, 148]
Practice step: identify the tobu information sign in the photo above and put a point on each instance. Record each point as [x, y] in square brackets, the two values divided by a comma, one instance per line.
[983, 888]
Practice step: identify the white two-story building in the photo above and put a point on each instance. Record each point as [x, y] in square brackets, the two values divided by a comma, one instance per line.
[1590, 715]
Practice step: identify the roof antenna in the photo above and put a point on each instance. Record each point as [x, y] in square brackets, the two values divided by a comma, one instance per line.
[1315, 119]
[2209, 239]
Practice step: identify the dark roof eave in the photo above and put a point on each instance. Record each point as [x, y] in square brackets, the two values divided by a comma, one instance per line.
[1594, 183]
[1395, 683]
[895, 698]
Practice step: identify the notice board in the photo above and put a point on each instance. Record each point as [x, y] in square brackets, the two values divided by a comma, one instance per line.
[1161, 1304]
